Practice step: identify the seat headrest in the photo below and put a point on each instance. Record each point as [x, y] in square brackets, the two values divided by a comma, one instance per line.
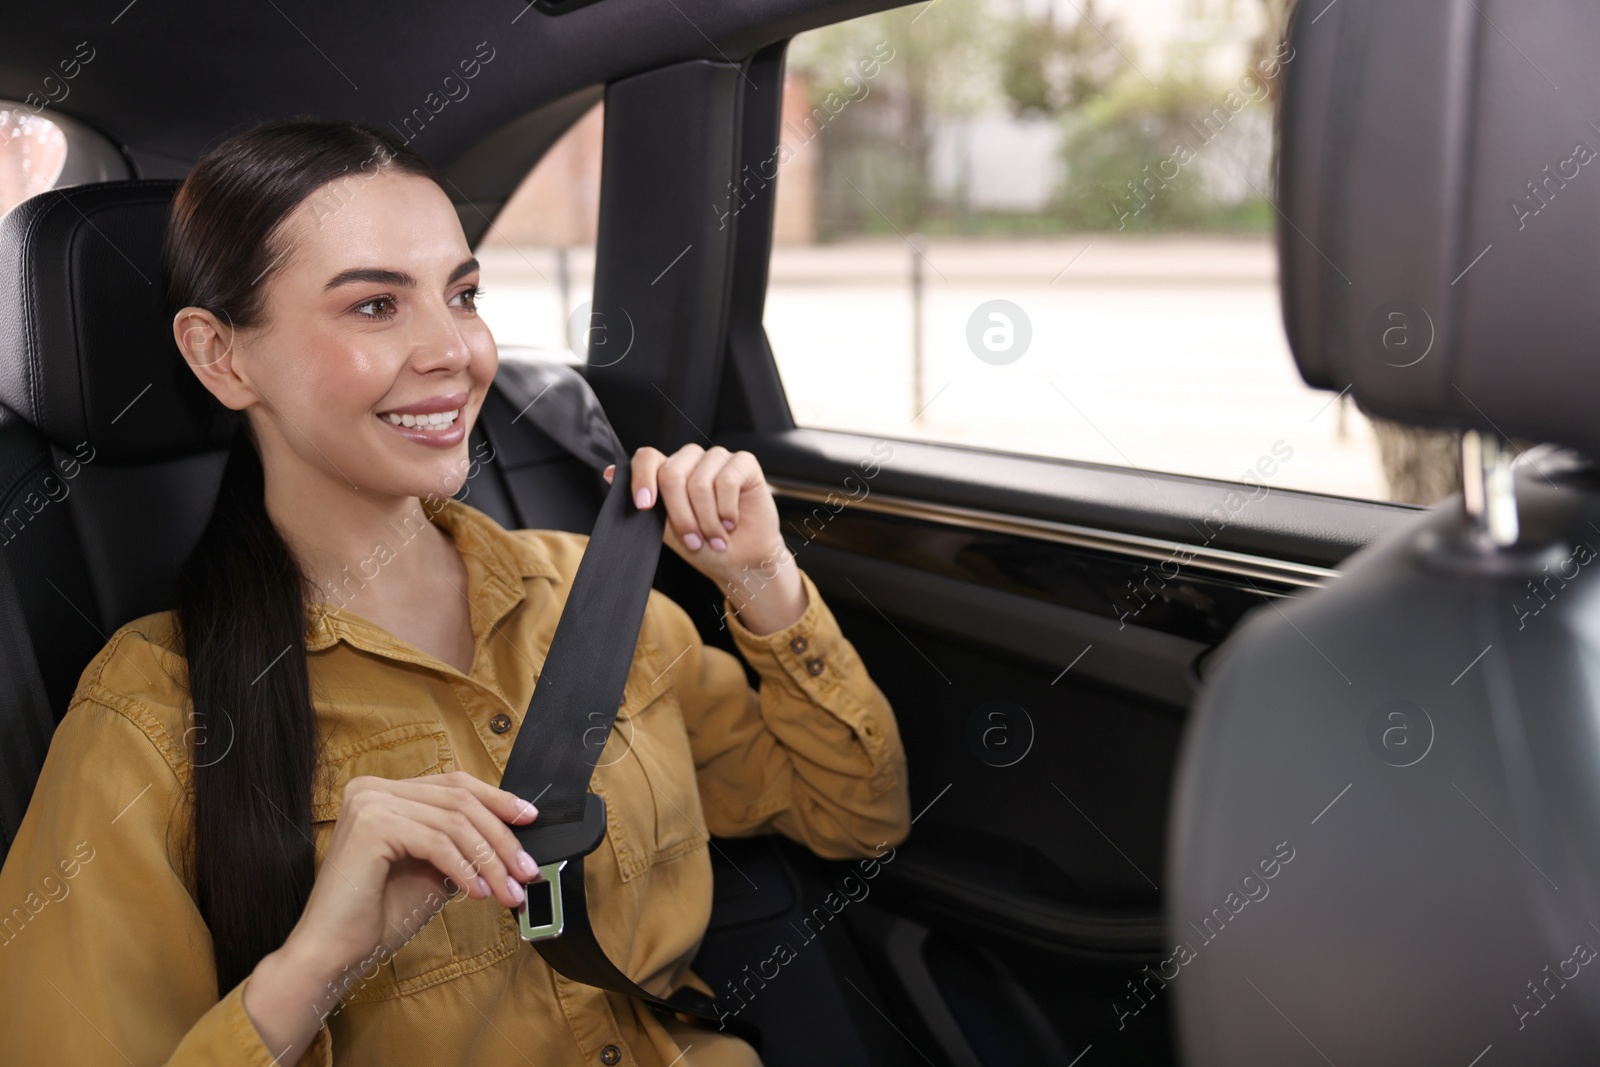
[1440, 234]
[86, 348]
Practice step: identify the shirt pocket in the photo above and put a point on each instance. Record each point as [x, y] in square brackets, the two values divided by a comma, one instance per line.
[467, 934]
[646, 774]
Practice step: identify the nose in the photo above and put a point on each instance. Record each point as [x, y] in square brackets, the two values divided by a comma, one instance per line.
[439, 343]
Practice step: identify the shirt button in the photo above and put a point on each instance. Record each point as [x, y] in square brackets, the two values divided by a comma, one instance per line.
[814, 666]
[500, 724]
[799, 644]
[610, 1055]
[869, 728]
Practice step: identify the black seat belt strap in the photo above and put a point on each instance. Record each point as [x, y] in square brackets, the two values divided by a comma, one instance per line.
[568, 720]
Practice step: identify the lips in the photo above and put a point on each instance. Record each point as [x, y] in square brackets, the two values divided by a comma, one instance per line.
[435, 421]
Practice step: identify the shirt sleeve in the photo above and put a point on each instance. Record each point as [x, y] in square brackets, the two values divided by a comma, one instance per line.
[814, 754]
[104, 957]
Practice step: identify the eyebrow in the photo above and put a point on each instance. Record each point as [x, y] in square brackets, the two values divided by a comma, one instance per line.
[400, 278]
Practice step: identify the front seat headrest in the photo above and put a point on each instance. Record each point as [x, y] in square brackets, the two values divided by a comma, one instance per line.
[89, 354]
[1440, 200]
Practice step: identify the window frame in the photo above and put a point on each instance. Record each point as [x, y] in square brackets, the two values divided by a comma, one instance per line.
[1291, 525]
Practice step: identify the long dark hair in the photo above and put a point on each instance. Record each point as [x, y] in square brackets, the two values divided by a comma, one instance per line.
[241, 595]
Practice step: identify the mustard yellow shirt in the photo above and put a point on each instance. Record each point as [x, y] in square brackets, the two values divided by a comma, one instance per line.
[104, 958]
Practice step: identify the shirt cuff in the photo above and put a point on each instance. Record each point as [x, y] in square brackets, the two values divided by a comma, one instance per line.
[812, 656]
[800, 650]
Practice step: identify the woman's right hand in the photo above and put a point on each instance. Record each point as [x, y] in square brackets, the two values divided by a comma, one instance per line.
[401, 848]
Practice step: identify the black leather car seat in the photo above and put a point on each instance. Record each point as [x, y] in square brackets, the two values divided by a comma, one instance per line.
[110, 457]
[1386, 827]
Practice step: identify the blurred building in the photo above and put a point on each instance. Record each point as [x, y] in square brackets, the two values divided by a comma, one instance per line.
[558, 204]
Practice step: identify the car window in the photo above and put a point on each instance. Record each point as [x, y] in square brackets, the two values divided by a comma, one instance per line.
[33, 151]
[538, 255]
[1049, 230]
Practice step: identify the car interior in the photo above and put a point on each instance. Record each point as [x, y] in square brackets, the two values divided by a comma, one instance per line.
[1094, 788]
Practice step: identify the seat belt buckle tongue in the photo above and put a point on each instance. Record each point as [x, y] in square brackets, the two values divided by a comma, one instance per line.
[569, 839]
[534, 924]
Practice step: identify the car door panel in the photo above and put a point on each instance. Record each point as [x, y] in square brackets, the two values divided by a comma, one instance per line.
[1034, 869]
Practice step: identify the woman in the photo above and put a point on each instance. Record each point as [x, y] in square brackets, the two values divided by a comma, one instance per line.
[278, 799]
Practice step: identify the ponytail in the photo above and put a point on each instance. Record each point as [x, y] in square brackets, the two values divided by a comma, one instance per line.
[241, 607]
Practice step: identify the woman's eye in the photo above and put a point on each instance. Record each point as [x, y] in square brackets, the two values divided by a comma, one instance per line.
[469, 297]
[384, 304]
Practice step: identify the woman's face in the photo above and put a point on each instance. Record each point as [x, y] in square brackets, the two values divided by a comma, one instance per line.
[371, 363]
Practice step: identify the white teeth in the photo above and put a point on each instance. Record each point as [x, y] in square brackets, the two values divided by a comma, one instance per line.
[433, 420]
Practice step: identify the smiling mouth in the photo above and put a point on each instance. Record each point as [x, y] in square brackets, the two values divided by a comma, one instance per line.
[437, 420]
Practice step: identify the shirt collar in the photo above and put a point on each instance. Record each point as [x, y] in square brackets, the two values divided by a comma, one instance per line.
[497, 560]
[508, 555]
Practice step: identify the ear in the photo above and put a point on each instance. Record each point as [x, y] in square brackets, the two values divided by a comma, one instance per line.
[208, 346]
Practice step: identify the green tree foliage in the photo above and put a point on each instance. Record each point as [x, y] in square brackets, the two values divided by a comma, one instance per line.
[956, 58]
[1047, 68]
[1114, 150]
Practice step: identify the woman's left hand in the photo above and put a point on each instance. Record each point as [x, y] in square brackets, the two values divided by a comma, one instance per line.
[721, 518]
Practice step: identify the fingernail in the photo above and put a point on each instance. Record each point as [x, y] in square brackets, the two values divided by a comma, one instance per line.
[529, 868]
[719, 544]
[516, 889]
[642, 497]
[727, 524]
[692, 539]
[483, 886]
